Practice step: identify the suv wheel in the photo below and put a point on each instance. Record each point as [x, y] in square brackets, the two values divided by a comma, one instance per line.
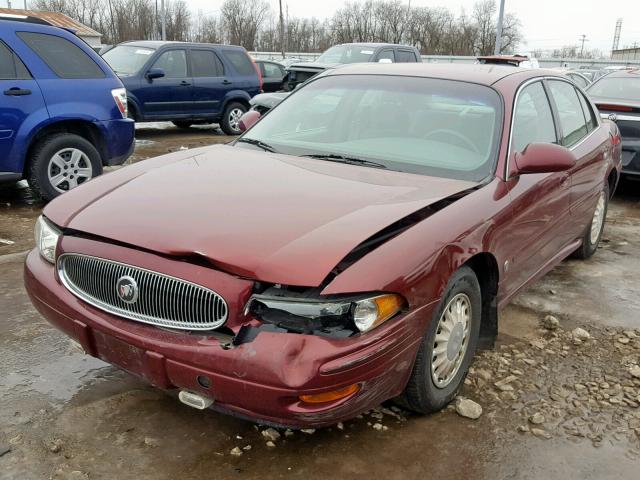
[230, 122]
[61, 162]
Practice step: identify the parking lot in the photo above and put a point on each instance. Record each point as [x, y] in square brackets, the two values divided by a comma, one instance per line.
[555, 403]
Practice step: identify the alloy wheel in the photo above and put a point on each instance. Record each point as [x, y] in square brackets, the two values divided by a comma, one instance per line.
[234, 119]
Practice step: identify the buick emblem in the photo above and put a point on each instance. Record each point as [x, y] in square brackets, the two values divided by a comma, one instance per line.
[127, 289]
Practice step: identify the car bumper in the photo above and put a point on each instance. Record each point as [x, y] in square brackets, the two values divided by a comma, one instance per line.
[119, 136]
[260, 380]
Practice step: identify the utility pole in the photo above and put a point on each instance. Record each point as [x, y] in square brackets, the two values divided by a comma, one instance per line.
[281, 30]
[499, 29]
[164, 21]
[9, 3]
[583, 38]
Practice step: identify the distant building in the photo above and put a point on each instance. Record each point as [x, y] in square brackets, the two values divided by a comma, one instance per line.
[625, 54]
[89, 35]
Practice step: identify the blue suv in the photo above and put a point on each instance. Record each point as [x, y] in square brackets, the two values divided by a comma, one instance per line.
[186, 83]
[62, 109]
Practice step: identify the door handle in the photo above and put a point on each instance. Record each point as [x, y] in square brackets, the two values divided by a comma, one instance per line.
[226, 82]
[184, 83]
[17, 92]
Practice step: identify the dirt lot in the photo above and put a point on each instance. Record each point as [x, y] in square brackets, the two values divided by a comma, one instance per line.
[557, 402]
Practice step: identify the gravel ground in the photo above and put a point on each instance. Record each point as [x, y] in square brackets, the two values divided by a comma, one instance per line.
[559, 396]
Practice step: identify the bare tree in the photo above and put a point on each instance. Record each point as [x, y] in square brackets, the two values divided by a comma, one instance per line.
[243, 19]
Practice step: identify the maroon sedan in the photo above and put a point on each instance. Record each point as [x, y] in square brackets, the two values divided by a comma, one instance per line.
[352, 247]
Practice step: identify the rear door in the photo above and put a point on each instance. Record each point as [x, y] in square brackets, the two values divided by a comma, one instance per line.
[20, 99]
[240, 70]
[581, 133]
[170, 96]
[210, 83]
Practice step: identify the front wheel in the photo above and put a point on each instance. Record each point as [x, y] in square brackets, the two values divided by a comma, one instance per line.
[593, 232]
[230, 122]
[60, 162]
[448, 346]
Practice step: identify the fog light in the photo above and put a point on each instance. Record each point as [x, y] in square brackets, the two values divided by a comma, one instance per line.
[325, 397]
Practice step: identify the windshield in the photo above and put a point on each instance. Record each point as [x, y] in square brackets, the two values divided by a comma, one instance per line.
[419, 125]
[616, 87]
[346, 54]
[127, 59]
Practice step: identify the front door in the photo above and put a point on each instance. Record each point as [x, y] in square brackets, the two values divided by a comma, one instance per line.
[20, 98]
[540, 201]
[171, 95]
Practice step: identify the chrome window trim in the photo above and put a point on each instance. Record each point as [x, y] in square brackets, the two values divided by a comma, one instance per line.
[515, 103]
[150, 302]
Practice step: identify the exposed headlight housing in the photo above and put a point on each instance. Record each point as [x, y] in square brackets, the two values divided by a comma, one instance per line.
[46, 239]
[309, 314]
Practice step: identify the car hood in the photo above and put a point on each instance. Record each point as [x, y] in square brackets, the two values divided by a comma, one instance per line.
[312, 66]
[275, 218]
[269, 100]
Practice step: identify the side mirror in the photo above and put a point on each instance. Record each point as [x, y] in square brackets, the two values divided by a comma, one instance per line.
[385, 60]
[155, 73]
[248, 120]
[544, 158]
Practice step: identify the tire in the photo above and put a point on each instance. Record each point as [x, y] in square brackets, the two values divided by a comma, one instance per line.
[422, 394]
[593, 232]
[230, 123]
[182, 123]
[56, 151]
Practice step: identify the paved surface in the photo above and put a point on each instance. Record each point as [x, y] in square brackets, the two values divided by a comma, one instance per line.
[65, 415]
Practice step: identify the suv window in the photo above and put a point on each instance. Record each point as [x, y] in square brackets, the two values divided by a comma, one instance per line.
[572, 121]
[387, 54]
[589, 114]
[66, 59]
[241, 61]
[405, 56]
[533, 120]
[173, 62]
[205, 63]
[271, 70]
[11, 68]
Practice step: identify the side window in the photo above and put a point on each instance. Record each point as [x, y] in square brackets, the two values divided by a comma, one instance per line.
[205, 63]
[589, 114]
[405, 56]
[63, 57]
[572, 120]
[387, 54]
[240, 61]
[271, 70]
[173, 62]
[533, 120]
[11, 68]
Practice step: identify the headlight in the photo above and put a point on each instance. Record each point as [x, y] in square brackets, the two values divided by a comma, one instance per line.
[46, 239]
[308, 315]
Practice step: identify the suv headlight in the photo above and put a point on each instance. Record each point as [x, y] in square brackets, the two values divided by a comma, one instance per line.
[46, 239]
[364, 312]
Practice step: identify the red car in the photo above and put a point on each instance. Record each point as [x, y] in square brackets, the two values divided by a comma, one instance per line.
[353, 246]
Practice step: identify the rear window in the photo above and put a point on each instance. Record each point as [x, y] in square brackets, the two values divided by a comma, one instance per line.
[619, 88]
[11, 68]
[240, 61]
[66, 59]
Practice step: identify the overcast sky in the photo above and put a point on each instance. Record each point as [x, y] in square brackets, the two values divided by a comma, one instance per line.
[546, 23]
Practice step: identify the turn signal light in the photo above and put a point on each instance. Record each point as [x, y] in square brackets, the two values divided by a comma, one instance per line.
[331, 396]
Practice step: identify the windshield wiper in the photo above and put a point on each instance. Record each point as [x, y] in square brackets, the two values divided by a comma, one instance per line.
[331, 157]
[257, 143]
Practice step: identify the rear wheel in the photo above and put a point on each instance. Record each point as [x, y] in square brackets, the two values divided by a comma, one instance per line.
[448, 346]
[593, 232]
[230, 122]
[60, 162]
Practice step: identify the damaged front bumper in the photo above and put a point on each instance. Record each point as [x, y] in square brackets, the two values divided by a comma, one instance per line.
[253, 370]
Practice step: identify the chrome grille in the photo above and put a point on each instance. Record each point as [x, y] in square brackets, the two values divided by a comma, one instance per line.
[162, 300]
